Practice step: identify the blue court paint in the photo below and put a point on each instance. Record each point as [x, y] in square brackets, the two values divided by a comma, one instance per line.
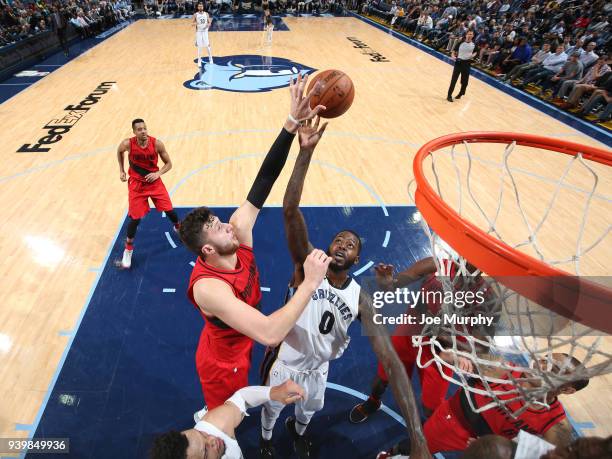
[94, 269]
[192, 263]
[62, 361]
[579, 426]
[24, 427]
[65, 332]
[598, 133]
[387, 236]
[364, 268]
[169, 290]
[361, 396]
[129, 371]
[170, 241]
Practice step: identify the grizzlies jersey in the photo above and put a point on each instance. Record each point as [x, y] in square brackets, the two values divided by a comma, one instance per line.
[201, 21]
[321, 332]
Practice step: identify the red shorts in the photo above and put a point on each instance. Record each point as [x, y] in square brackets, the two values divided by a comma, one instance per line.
[444, 432]
[433, 386]
[221, 375]
[139, 194]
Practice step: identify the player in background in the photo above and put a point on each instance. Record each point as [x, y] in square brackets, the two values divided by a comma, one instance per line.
[202, 22]
[144, 182]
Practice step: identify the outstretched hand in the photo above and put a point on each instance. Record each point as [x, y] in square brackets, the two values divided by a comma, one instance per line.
[300, 104]
[384, 276]
[310, 134]
[287, 392]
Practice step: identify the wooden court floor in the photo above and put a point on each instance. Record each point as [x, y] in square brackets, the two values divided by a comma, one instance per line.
[62, 207]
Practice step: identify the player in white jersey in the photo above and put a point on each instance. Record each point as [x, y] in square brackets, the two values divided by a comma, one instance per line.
[213, 436]
[321, 332]
[202, 22]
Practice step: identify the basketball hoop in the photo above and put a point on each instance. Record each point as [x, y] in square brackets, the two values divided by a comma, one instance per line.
[534, 298]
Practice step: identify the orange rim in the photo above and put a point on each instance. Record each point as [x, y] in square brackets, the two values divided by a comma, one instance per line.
[574, 297]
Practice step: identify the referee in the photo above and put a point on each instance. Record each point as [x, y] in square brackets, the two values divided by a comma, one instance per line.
[463, 61]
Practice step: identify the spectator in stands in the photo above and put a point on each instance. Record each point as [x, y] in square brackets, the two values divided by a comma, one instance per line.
[588, 55]
[581, 86]
[520, 55]
[600, 85]
[536, 60]
[571, 70]
[549, 67]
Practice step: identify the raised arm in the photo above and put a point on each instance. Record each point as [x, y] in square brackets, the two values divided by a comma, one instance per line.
[245, 216]
[295, 224]
[215, 298]
[386, 280]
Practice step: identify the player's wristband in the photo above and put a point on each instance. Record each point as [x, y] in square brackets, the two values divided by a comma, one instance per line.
[293, 120]
[250, 397]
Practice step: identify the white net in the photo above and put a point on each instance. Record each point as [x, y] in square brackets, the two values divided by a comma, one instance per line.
[550, 207]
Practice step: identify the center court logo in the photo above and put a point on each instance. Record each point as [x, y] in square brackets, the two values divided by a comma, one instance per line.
[247, 73]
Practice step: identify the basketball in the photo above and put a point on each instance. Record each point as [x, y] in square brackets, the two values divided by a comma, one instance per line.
[336, 93]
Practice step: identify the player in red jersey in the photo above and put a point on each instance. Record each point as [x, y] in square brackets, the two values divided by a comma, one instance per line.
[224, 284]
[433, 385]
[453, 425]
[144, 182]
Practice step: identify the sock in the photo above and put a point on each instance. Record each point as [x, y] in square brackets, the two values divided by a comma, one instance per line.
[199, 54]
[268, 419]
[129, 245]
[210, 59]
[266, 434]
[300, 428]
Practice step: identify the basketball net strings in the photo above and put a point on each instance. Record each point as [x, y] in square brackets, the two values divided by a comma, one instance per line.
[524, 348]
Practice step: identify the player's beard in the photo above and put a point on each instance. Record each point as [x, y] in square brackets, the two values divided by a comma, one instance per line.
[227, 249]
[335, 267]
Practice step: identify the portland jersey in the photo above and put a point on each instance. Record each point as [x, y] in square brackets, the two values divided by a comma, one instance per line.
[321, 332]
[201, 22]
[532, 420]
[143, 160]
[244, 282]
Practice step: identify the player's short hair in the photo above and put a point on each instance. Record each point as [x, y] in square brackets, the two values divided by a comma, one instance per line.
[136, 121]
[170, 445]
[491, 447]
[192, 232]
[359, 243]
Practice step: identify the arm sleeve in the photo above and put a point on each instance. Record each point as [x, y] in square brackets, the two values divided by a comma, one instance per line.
[250, 397]
[270, 169]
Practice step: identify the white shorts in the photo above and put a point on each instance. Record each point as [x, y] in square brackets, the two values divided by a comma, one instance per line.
[202, 39]
[313, 382]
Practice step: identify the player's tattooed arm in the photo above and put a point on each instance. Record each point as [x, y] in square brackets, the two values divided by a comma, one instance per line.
[295, 224]
[560, 434]
[387, 281]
